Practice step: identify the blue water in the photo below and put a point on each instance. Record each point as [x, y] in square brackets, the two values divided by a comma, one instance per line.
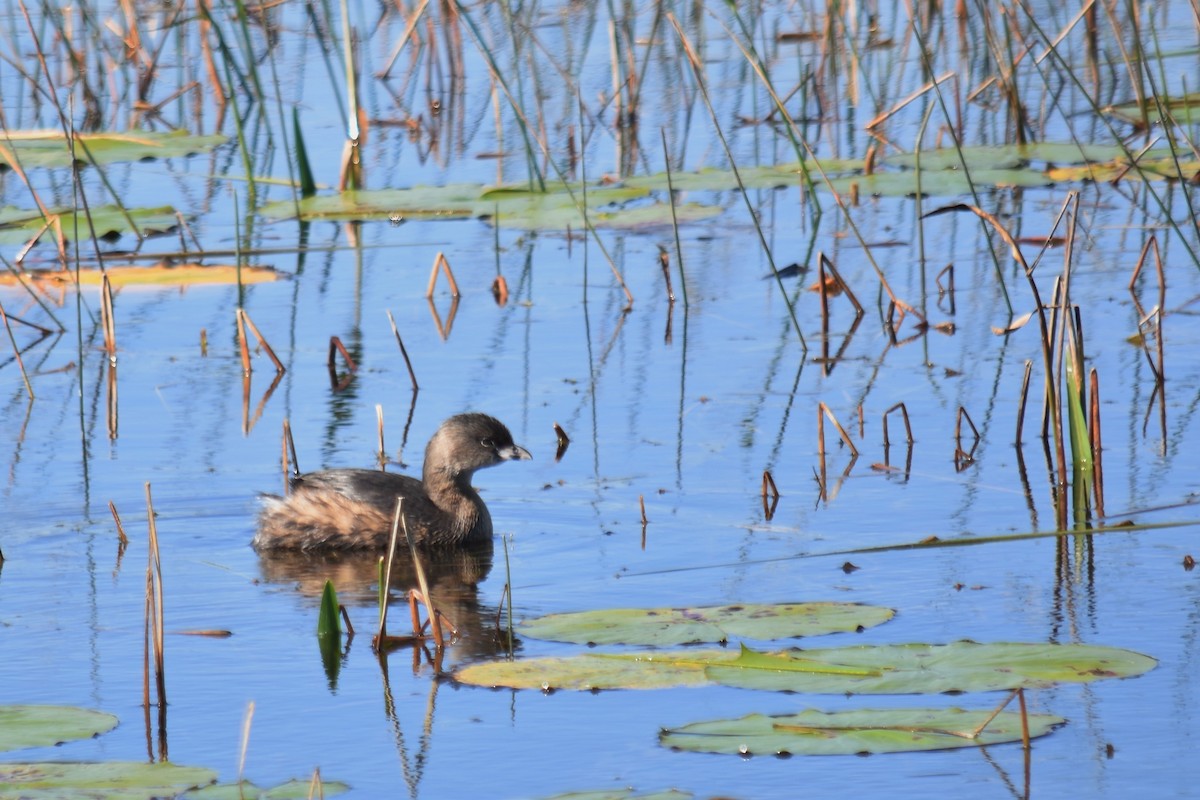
[688, 423]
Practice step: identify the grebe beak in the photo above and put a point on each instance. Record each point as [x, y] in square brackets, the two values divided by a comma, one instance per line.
[514, 453]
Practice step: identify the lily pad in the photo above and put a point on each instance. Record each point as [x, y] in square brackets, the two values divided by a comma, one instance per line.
[42, 726]
[48, 148]
[152, 275]
[891, 730]
[17, 225]
[1148, 168]
[623, 794]
[888, 669]
[292, 790]
[110, 780]
[661, 627]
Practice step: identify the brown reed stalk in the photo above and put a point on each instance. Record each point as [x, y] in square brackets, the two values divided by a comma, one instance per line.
[500, 290]
[154, 601]
[824, 409]
[121, 537]
[336, 346]
[903, 409]
[110, 396]
[245, 745]
[562, 440]
[769, 489]
[243, 346]
[435, 618]
[1023, 399]
[1094, 430]
[382, 453]
[412, 376]
[16, 352]
[441, 263]
[262, 342]
[289, 450]
[107, 320]
[381, 634]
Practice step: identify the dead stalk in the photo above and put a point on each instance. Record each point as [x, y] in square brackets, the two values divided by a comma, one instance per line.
[907, 425]
[412, 376]
[824, 409]
[279, 368]
[121, 537]
[16, 352]
[243, 346]
[1024, 398]
[440, 263]
[382, 453]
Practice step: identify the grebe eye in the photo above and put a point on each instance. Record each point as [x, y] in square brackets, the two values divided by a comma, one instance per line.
[487, 444]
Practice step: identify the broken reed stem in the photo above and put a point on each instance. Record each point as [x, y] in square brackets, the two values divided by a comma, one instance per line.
[958, 420]
[642, 504]
[279, 368]
[106, 319]
[907, 425]
[379, 419]
[974, 734]
[335, 347]
[387, 580]
[824, 409]
[837, 277]
[412, 376]
[439, 261]
[1023, 399]
[155, 601]
[1024, 719]
[674, 226]
[243, 347]
[664, 260]
[768, 486]
[121, 537]
[246, 720]
[289, 449]
[1094, 430]
[434, 617]
[16, 352]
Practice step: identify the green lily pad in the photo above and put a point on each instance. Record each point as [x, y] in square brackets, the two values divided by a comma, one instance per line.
[623, 794]
[48, 148]
[292, 790]
[887, 669]
[661, 627]
[17, 225]
[110, 780]
[42, 726]
[1181, 107]
[813, 732]
[561, 216]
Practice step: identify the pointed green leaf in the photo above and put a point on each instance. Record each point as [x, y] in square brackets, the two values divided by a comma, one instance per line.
[308, 187]
[329, 624]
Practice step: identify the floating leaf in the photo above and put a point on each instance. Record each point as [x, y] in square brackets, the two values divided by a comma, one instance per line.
[1148, 168]
[623, 794]
[891, 730]
[152, 275]
[887, 669]
[1179, 106]
[42, 726]
[670, 626]
[292, 790]
[17, 225]
[111, 780]
[49, 148]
